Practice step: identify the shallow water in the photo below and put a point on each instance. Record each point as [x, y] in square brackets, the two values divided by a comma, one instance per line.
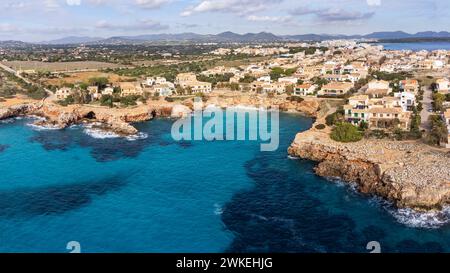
[151, 194]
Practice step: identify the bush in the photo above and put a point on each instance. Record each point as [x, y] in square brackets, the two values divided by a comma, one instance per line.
[129, 100]
[320, 126]
[378, 134]
[346, 132]
[363, 126]
[107, 100]
[67, 101]
[335, 118]
[438, 133]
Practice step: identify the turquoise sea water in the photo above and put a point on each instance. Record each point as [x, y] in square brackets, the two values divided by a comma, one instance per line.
[430, 46]
[156, 195]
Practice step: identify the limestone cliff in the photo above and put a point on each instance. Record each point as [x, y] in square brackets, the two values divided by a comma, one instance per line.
[410, 174]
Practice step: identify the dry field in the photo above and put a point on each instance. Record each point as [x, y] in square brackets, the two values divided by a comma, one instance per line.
[18, 99]
[80, 77]
[60, 66]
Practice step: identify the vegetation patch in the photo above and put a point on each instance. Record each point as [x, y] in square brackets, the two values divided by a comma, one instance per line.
[320, 126]
[346, 132]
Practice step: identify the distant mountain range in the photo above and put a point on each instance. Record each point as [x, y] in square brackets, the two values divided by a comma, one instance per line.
[231, 37]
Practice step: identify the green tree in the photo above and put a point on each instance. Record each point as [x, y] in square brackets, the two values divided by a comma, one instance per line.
[346, 132]
[101, 82]
[107, 100]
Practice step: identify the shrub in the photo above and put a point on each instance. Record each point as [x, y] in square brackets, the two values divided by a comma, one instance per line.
[106, 100]
[378, 134]
[335, 118]
[346, 132]
[320, 126]
[438, 133]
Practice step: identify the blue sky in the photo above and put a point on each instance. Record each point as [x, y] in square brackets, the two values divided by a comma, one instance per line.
[38, 20]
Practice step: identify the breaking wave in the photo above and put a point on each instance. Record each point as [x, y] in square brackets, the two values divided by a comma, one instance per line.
[98, 133]
[413, 218]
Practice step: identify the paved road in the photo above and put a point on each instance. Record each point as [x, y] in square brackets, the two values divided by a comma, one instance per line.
[51, 95]
[426, 103]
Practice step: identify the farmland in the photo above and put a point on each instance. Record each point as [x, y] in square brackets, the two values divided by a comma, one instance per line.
[80, 77]
[59, 66]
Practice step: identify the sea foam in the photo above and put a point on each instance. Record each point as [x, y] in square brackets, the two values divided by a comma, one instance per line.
[413, 218]
[98, 133]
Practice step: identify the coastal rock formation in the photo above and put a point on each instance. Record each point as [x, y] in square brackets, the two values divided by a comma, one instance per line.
[18, 110]
[116, 120]
[306, 107]
[410, 174]
[180, 111]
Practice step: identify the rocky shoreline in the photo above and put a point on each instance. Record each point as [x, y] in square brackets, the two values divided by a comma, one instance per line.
[118, 120]
[410, 174]
[59, 117]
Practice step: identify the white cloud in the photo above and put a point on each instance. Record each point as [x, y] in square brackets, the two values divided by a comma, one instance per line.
[8, 28]
[140, 25]
[51, 5]
[374, 2]
[240, 7]
[73, 2]
[16, 5]
[151, 4]
[273, 19]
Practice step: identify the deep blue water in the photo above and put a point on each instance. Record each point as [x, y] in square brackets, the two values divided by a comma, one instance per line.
[157, 195]
[430, 46]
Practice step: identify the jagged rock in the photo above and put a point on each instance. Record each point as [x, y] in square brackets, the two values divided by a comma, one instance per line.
[410, 174]
[18, 110]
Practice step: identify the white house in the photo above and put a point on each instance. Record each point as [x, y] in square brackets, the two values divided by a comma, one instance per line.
[446, 117]
[108, 91]
[375, 84]
[264, 79]
[443, 85]
[160, 80]
[304, 89]
[63, 93]
[149, 82]
[164, 90]
[407, 100]
[288, 80]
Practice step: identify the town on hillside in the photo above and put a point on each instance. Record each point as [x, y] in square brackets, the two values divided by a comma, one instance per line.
[397, 94]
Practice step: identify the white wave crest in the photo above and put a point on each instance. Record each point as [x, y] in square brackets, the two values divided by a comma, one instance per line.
[99, 133]
[137, 136]
[413, 218]
[416, 219]
[7, 121]
[46, 127]
[218, 209]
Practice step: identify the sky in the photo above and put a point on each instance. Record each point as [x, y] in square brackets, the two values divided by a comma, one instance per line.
[43, 20]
